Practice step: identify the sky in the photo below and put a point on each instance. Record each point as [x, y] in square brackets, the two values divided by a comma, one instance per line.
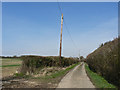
[33, 28]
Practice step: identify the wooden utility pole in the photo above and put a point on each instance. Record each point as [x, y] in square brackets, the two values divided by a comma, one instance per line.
[61, 40]
[79, 55]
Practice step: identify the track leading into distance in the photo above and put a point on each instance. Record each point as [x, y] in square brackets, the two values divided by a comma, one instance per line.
[76, 78]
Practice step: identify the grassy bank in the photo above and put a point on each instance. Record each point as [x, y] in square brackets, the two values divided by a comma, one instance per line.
[97, 80]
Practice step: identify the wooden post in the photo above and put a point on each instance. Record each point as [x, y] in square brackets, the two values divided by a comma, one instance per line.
[61, 39]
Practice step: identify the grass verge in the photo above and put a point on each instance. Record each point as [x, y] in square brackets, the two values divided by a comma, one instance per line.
[97, 80]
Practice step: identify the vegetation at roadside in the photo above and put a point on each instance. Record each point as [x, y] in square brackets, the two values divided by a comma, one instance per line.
[97, 80]
[31, 64]
[105, 61]
[52, 76]
[21, 75]
[47, 81]
[61, 73]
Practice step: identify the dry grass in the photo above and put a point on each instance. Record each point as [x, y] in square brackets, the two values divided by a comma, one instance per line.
[8, 70]
[8, 61]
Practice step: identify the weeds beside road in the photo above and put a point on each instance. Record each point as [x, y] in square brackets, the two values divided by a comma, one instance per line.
[97, 80]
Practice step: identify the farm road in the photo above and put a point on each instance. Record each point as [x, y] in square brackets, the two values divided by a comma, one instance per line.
[76, 78]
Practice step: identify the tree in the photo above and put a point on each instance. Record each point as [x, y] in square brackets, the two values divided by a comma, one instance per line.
[81, 57]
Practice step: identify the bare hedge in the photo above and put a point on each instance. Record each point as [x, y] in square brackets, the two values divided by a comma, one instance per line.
[32, 63]
[106, 62]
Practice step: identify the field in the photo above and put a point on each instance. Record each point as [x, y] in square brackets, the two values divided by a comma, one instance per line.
[9, 66]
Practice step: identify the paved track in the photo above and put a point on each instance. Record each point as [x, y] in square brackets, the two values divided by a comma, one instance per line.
[76, 78]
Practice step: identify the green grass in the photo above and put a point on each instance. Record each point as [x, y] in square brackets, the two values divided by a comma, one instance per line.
[97, 80]
[21, 75]
[10, 65]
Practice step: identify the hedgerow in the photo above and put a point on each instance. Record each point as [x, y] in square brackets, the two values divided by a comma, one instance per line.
[31, 63]
[106, 62]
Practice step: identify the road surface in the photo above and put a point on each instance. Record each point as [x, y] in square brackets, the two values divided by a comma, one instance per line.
[76, 78]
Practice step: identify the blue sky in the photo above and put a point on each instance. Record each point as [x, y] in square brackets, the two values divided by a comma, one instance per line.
[34, 28]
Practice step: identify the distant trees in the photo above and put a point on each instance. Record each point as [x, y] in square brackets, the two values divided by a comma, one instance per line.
[82, 58]
[10, 56]
[14, 56]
